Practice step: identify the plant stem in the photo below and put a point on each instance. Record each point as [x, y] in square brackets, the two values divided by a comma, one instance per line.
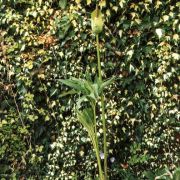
[96, 145]
[96, 148]
[98, 58]
[103, 109]
[104, 137]
[95, 124]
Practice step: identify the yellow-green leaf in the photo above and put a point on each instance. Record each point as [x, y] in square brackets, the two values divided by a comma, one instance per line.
[102, 3]
[88, 2]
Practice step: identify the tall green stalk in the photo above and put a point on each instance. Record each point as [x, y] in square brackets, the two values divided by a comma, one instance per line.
[96, 145]
[103, 109]
[89, 92]
[96, 148]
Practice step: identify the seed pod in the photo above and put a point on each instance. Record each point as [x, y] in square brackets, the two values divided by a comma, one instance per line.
[96, 21]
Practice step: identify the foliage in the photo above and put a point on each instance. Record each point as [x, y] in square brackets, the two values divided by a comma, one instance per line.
[44, 41]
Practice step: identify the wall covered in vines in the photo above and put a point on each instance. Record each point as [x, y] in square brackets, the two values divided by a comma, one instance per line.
[44, 41]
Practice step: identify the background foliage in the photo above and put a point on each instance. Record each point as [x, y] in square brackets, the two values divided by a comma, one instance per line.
[43, 41]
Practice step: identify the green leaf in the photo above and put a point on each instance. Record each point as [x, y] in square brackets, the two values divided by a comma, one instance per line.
[85, 117]
[74, 83]
[62, 4]
[63, 26]
[88, 87]
[64, 30]
[176, 175]
[105, 84]
[53, 91]
[66, 93]
[85, 87]
[88, 2]
[149, 175]
[80, 100]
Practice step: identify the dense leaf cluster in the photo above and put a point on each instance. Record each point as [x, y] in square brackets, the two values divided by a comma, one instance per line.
[45, 41]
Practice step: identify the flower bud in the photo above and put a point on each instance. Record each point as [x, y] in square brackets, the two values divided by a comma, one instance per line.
[96, 21]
